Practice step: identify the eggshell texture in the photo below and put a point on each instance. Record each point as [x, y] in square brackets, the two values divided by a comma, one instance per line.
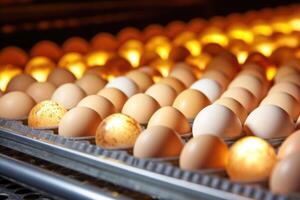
[140, 107]
[211, 88]
[41, 91]
[99, 104]
[269, 121]
[68, 95]
[79, 122]
[218, 76]
[285, 178]
[204, 152]
[15, 105]
[60, 76]
[170, 117]
[91, 83]
[285, 101]
[162, 93]
[116, 96]
[190, 102]
[143, 80]
[126, 85]
[158, 142]
[249, 82]
[242, 95]
[235, 106]
[290, 145]
[287, 87]
[217, 120]
[20, 83]
[46, 114]
[187, 77]
[174, 83]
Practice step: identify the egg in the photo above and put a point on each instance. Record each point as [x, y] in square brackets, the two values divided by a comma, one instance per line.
[1, 93]
[46, 114]
[60, 76]
[116, 96]
[126, 85]
[20, 83]
[190, 102]
[242, 95]
[290, 145]
[91, 83]
[158, 142]
[104, 41]
[170, 117]
[142, 79]
[287, 87]
[291, 78]
[235, 106]
[284, 71]
[249, 82]
[68, 95]
[176, 84]
[76, 44]
[298, 123]
[204, 152]
[253, 68]
[217, 120]
[285, 101]
[217, 76]
[223, 65]
[285, 178]
[100, 104]
[13, 55]
[46, 48]
[117, 131]
[187, 77]
[79, 122]
[41, 91]
[211, 88]
[15, 105]
[269, 121]
[162, 93]
[140, 107]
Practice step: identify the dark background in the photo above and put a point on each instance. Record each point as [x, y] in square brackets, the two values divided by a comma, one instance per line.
[24, 22]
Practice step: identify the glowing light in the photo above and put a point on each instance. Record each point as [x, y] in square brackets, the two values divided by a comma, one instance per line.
[287, 40]
[69, 58]
[281, 26]
[199, 61]
[39, 68]
[295, 23]
[7, 72]
[250, 159]
[214, 36]
[262, 29]
[241, 33]
[265, 48]
[194, 47]
[163, 66]
[97, 58]
[132, 51]
[271, 72]
[77, 68]
[242, 56]
[160, 45]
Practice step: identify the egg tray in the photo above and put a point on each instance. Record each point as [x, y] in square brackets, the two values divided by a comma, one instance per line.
[157, 178]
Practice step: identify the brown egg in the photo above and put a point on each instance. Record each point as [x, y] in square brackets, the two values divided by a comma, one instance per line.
[129, 33]
[285, 178]
[187, 77]
[91, 83]
[46, 114]
[104, 41]
[253, 84]
[170, 117]
[1, 93]
[142, 79]
[174, 28]
[178, 54]
[204, 152]
[20, 83]
[46, 48]
[15, 105]
[60, 76]
[290, 145]
[298, 123]
[14, 56]
[99, 104]
[117, 131]
[235, 106]
[140, 107]
[162, 93]
[76, 44]
[291, 78]
[285, 101]
[218, 76]
[256, 74]
[152, 30]
[41, 91]
[269, 121]
[212, 49]
[223, 65]
[174, 83]
[284, 71]
[242, 95]
[79, 122]
[68, 95]
[254, 67]
[116, 96]
[287, 87]
[158, 142]
[190, 102]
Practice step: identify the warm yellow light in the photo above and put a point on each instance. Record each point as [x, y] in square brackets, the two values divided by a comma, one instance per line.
[281, 26]
[163, 66]
[133, 56]
[250, 159]
[262, 29]
[132, 51]
[77, 68]
[199, 61]
[288, 41]
[69, 58]
[295, 23]
[160, 45]
[7, 72]
[270, 73]
[39, 68]
[97, 58]
[241, 33]
[242, 56]
[214, 36]
[265, 48]
[194, 47]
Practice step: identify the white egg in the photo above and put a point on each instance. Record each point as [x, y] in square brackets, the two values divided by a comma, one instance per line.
[211, 88]
[124, 84]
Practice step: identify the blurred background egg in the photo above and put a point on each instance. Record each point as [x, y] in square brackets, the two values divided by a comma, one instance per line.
[41, 91]
[76, 44]
[290, 145]
[46, 48]
[126, 85]
[60, 76]
[116, 96]
[218, 76]
[91, 83]
[142, 79]
[20, 83]
[287, 87]
[158, 142]
[162, 93]
[187, 77]
[176, 84]
[211, 88]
